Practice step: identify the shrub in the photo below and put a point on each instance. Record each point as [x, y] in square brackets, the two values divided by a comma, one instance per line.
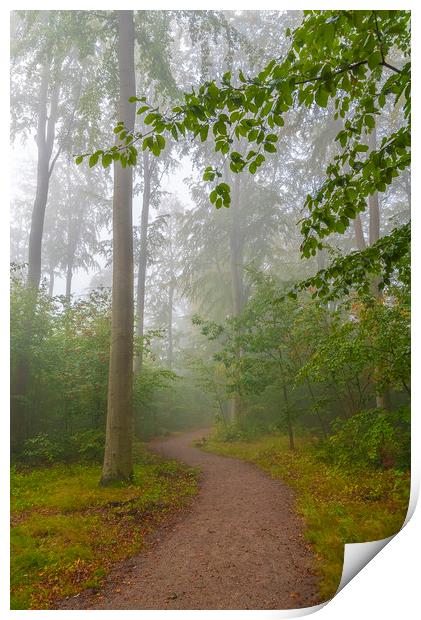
[233, 432]
[89, 445]
[375, 437]
[41, 449]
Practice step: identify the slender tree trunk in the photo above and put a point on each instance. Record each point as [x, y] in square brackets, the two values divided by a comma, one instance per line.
[382, 398]
[170, 318]
[119, 432]
[288, 418]
[45, 142]
[171, 292]
[21, 373]
[143, 258]
[69, 276]
[51, 283]
[359, 233]
[236, 270]
[236, 254]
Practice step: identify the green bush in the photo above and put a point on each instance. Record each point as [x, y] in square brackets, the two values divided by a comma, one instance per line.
[41, 449]
[233, 432]
[375, 437]
[89, 445]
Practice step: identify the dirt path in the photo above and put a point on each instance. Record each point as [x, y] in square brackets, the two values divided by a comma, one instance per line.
[241, 546]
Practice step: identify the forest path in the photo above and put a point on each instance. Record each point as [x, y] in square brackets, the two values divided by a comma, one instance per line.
[240, 546]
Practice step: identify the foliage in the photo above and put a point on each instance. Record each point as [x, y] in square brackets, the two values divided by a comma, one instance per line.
[341, 56]
[339, 505]
[89, 445]
[41, 449]
[67, 531]
[308, 363]
[69, 352]
[389, 257]
[366, 345]
[371, 438]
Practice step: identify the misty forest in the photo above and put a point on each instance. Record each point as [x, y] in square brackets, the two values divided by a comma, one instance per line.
[210, 303]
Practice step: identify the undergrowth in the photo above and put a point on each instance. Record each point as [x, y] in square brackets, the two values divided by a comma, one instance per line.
[67, 531]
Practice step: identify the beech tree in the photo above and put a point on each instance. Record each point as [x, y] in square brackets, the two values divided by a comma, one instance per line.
[50, 111]
[343, 56]
[119, 434]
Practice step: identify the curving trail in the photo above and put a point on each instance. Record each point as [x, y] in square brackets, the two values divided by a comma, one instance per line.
[240, 546]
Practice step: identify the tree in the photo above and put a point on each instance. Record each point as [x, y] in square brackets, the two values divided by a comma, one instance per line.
[46, 102]
[119, 434]
[334, 55]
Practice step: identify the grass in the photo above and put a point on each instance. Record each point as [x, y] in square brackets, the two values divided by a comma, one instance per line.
[67, 531]
[338, 506]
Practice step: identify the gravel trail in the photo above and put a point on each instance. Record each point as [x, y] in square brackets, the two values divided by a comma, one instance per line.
[240, 546]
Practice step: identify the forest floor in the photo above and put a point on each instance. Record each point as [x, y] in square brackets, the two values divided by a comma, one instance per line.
[67, 531]
[339, 504]
[241, 545]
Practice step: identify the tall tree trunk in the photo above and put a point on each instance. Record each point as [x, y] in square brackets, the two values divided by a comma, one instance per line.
[236, 269]
[170, 318]
[236, 251]
[45, 142]
[21, 373]
[143, 258]
[119, 432]
[382, 398]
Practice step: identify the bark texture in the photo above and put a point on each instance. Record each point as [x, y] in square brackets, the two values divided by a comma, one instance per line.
[236, 241]
[382, 398]
[359, 233]
[119, 431]
[45, 142]
[143, 258]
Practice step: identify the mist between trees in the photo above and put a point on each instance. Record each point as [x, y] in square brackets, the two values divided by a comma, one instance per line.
[233, 191]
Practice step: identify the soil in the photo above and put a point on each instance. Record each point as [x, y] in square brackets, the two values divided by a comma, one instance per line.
[239, 546]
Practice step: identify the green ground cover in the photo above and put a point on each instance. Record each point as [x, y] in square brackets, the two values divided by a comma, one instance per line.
[67, 531]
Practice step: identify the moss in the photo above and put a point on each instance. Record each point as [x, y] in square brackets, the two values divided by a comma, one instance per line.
[68, 531]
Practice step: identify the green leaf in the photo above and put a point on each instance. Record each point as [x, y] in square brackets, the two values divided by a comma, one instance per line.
[213, 196]
[374, 59]
[93, 160]
[222, 188]
[204, 132]
[340, 227]
[160, 141]
[106, 160]
[269, 147]
[369, 121]
[322, 97]
[79, 160]
[149, 118]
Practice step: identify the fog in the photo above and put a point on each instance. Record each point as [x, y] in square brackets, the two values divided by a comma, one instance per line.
[199, 262]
